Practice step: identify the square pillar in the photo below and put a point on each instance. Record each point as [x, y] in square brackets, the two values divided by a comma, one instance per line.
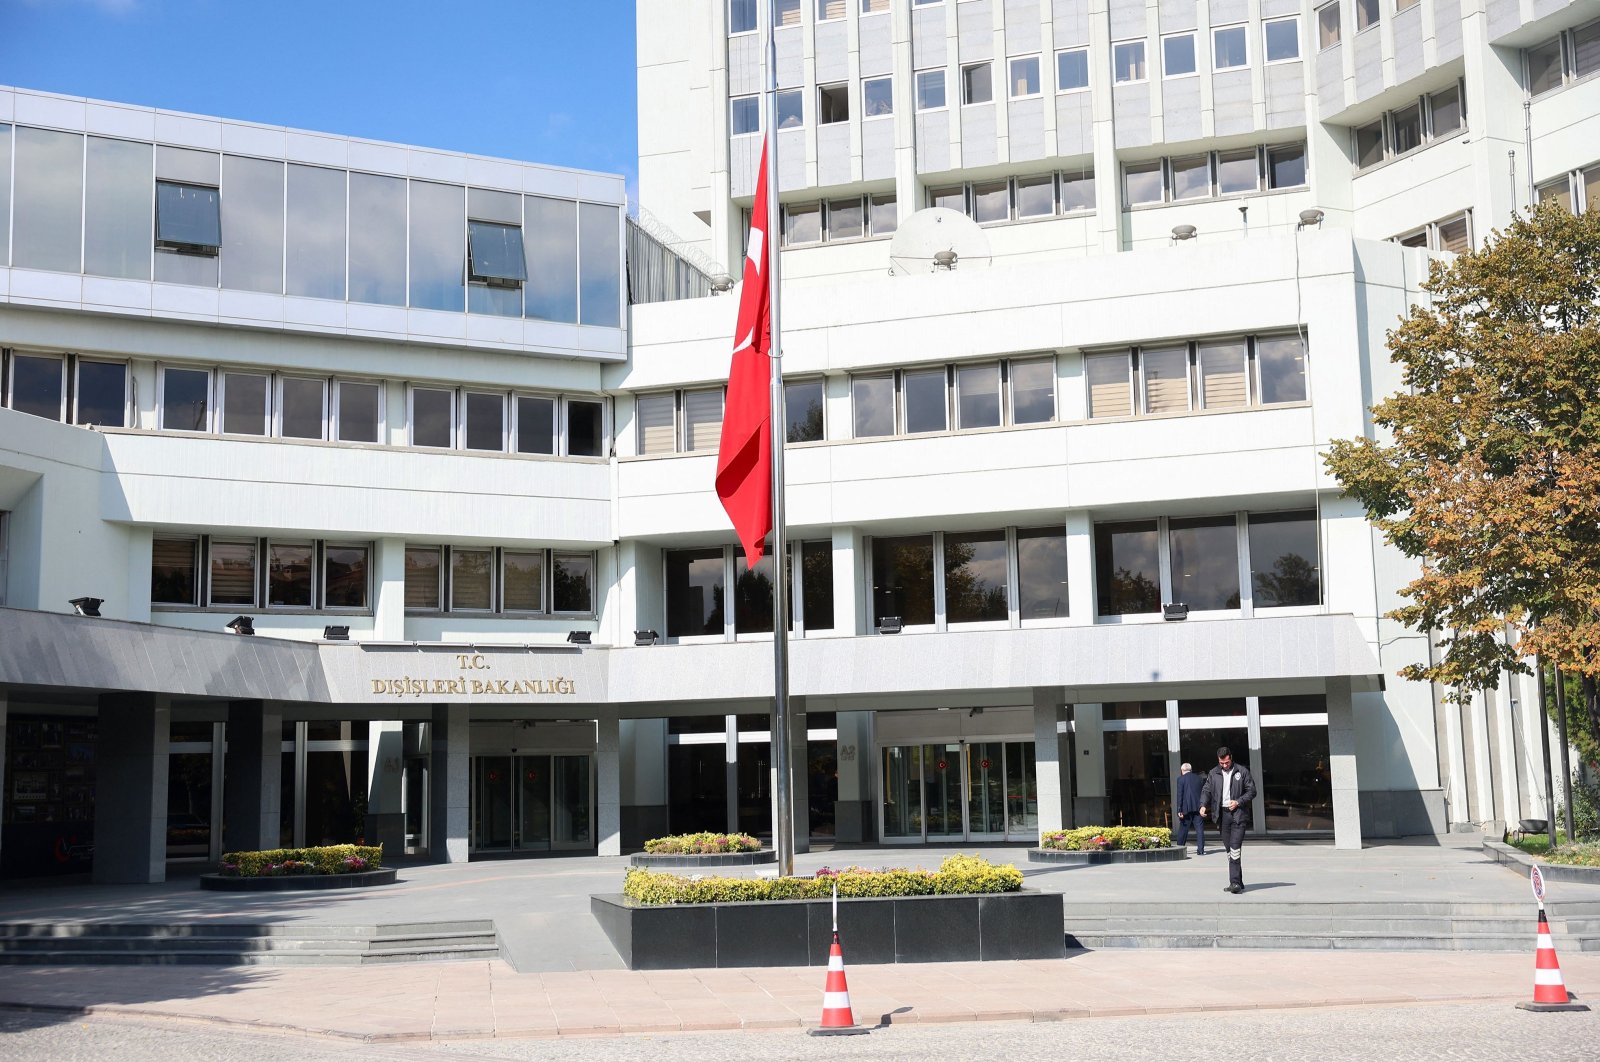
[800, 775]
[449, 785]
[130, 800]
[854, 816]
[1089, 765]
[1047, 756]
[252, 777]
[608, 785]
[389, 590]
[386, 818]
[1342, 765]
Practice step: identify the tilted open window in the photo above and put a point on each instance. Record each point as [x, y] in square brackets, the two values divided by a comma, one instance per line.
[188, 218]
[494, 255]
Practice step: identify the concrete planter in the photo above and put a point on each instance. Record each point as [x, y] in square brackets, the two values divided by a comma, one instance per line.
[1521, 862]
[701, 861]
[361, 879]
[1010, 925]
[1093, 857]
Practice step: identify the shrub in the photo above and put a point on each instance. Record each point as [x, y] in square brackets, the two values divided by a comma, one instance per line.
[959, 875]
[1582, 854]
[702, 844]
[281, 862]
[1108, 838]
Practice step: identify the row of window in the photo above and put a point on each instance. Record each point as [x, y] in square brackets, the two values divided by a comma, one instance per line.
[1453, 233]
[1019, 198]
[743, 14]
[1203, 374]
[1573, 54]
[218, 572]
[68, 388]
[500, 580]
[1577, 191]
[830, 220]
[832, 106]
[1230, 50]
[1330, 31]
[1428, 118]
[1180, 178]
[140, 211]
[696, 585]
[943, 397]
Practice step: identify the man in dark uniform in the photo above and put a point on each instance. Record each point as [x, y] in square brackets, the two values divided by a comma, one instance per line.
[1226, 800]
[1189, 786]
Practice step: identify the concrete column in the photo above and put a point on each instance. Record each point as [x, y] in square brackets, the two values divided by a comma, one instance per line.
[852, 597]
[386, 817]
[389, 590]
[449, 785]
[730, 756]
[800, 775]
[854, 817]
[608, 785]
[252, 777]
[1090, 765]
[1342, 765]
[130, 835]
[1080, 566]
[1047, 756]
[644, 780]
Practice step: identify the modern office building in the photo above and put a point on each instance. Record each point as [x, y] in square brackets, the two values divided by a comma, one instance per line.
[1075, 293]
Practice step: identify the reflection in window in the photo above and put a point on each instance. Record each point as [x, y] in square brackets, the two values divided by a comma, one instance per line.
[117, 203]
[877, 97]
[47, 208]
[791, 110]
[536, 425]
[1204, 556]
[930, 90]
[1282, 38]
[289, 571]
[102, 394]
[1110, 385]
[173, 566]
[5, 194]
[1284, 569]
[1127, 571]
[926, 406]
[1041, 573]
[522, 581]
[244, 403]
[496, 260]
[817, 571]
[185, 399]
[233, 573]
[1127, 61]
[38, 386]
[252, 224]
[1282, 365]
[1141, 183]
[976, 585]
[1177, 55]
[485, 421]
[752, 594]
[344, 576]
[599, 240]
[1230, 48]
[423, 577]
[358, 411]
[695, 591]
[978, 396]
[573, 582]
[471, 580]
[438, 213]
[1033, 391]
[1072, 69]
[314, 229]
[188, 218]
[303, 408]
[902, 579]
[377, 239]
[432, 417]
[872, 401]
[802, 405]
[550, 231]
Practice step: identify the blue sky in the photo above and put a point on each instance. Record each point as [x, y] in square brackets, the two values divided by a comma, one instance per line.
[535, 80]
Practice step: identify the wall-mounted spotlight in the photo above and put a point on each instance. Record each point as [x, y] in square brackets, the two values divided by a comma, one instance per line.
[1184, 232]
[945, 259]
[645, 637]
[1311, 217]
[890, 625]
[578, 637]
[721, 282]
[336, 634]
[86, 606]
[242, 625]
[1175, 610]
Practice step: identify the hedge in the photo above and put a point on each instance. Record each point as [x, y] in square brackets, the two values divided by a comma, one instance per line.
[280, 862]
[958, 875]
[702, 844]
[1108, 838]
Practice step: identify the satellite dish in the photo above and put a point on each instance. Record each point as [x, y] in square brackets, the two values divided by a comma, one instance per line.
[924, 241]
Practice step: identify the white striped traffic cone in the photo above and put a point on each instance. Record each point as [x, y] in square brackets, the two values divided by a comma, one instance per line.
[1549, 991]
[837, 1017]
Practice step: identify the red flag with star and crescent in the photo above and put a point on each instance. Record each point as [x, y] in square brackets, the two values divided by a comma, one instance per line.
[744, 457]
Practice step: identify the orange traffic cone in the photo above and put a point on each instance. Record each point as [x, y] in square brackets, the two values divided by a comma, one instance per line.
[1549, 991]
[837, 1017]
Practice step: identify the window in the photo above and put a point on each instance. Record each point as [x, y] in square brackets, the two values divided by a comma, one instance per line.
[1369, 144]
[101, 395]
[377, 239]
[830, 9]
[1190, 178]
[522, 581]
[803, 410]
[702, 419]
[433, 417]
[1110, 385]
[252, 225]
[1041, 573]
[1284, 568]
[838, 219]
[744, 115]
[534, 424]
[471, 580]
[315, 232]
[185, 399]
[930, 90]
[1585, 50]
[1444, 111]
[38, 385]
[174, 571]
[358, 411]
[302, 408]
[1454, 233]
[488, 580]
[1033, 390]
[1225, 374]
[1203, 559]
[494, 254]
[902, 580]
[572, 583]
[244, 403]
[1401, 5]
[47, 206]
[233, 573]
[424, 578]
[436, 258]
[696, 592]
[1366, 14]
[741, 16]
[1230, 48]
[290, 567]
[1177, 55]
[585, 428]
[877, 97]
[485, 416]
[1281, 39]
[655, 418]
[872, 400]
[951, 198]
[791, 110]
[991, 201]
[1127, 571]
[845, 219]
[1025, 76]
[1286, 166]
[1072, 69]
[344, 576]
[787, 12]
[976, 577]
[1036, 196]
[915, 401]
[1237, 172]
[873, 7]
[978, 396]
[117, 205]
[1558, 192]
[802, 223]
[816, 585]
[1405, 128]
[1165, 372]
[1077, 190]
[1127, 62]
[1544, 67]
[977, 83]
[833, 104]
[188, 218]
[1141, 183]
[926, 404]
[1281, 363]
[1328, 29]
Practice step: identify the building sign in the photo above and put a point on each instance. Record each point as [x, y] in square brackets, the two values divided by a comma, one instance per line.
[473, 685]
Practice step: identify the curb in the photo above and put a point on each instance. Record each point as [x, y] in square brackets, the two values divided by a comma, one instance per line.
[1522, 863]
[1090, 857]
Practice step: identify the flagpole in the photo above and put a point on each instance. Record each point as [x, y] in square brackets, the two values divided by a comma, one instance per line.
[783, 827]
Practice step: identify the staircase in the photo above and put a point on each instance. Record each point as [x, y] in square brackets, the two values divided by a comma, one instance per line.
[140, 943]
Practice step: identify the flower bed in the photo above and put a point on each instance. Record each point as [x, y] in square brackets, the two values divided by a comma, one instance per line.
[1108, 839]
[959, 875]
[702, 844]
[293, 862]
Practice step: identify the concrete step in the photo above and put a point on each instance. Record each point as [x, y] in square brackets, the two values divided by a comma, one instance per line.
[135, 943]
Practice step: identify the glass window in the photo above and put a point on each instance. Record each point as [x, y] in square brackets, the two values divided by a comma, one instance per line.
[752, 594]
[423, 571]
[803, 410]
[741, 16]
[233, 573]
[1141, 183]
[1366, 14]
[702, 419]
[188, 218]
[1544, 69]
[1127, 61]
[572, 582]
[1025, 76]
[869, 7]
[802, 223]
[314, 229]
[289, 569]
[1177, 55]
[1282, 39]
[252, 224]
[585, 431]
[1328, 30]
[1591, 188]
[926, 405]
[522, 581]
[1455, 234]
[495, 254]
[1406, 125]
[1033, 391]
[744, 115]
[433, 413]
[38, 385]
[833, 104]
[1077, 191]
[302, 408]
[845, 219]
[977, 83]
[1072, 69]
[600, 265]
[830, 9]
[536, 425]
[1415, 239]
[877, 97]
[1286, 166]
[244, 403]
[1110, 385]
[816, 559]
[1203, 553]
[787, 12]
[976, 579]
[1237, 171]
[991, 201]
[791, 110]
[1166, 379]
[883, 214]
[1558, 192]
[1230, 47]
[486, 420]
[872, 401]
[117, 202]
[1036, 196]
[173, 564]
[902, 579]
[5, 197]
[655, 416]
[1282, 366]
[102, 394]
[1127, 571]
[1586, 50]
[471, 580]
[1224, 374]
[377, 239]
[1296, 786]
[438, 218]
[978, 396]
[1191, 177]
[550, 235]
[47, 205]
[1283, 559]
[186, 399]
[930, 90]
[952, 198]
[359, 411]
[1041, 573]
[1444, 111]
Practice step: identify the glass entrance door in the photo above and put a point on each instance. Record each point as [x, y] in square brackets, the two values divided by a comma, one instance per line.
[958, 791]
[534, 803]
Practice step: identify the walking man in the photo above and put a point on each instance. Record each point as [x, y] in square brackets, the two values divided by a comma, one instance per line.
[1189, 786]
[1226, 799]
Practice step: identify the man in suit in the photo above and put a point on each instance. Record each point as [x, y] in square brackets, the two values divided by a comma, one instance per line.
[1225, 800]
[1189, 786]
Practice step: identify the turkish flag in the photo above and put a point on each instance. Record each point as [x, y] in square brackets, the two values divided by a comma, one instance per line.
[744, 457]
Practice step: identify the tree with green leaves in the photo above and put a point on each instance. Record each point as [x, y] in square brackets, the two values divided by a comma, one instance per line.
[1487, 465]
